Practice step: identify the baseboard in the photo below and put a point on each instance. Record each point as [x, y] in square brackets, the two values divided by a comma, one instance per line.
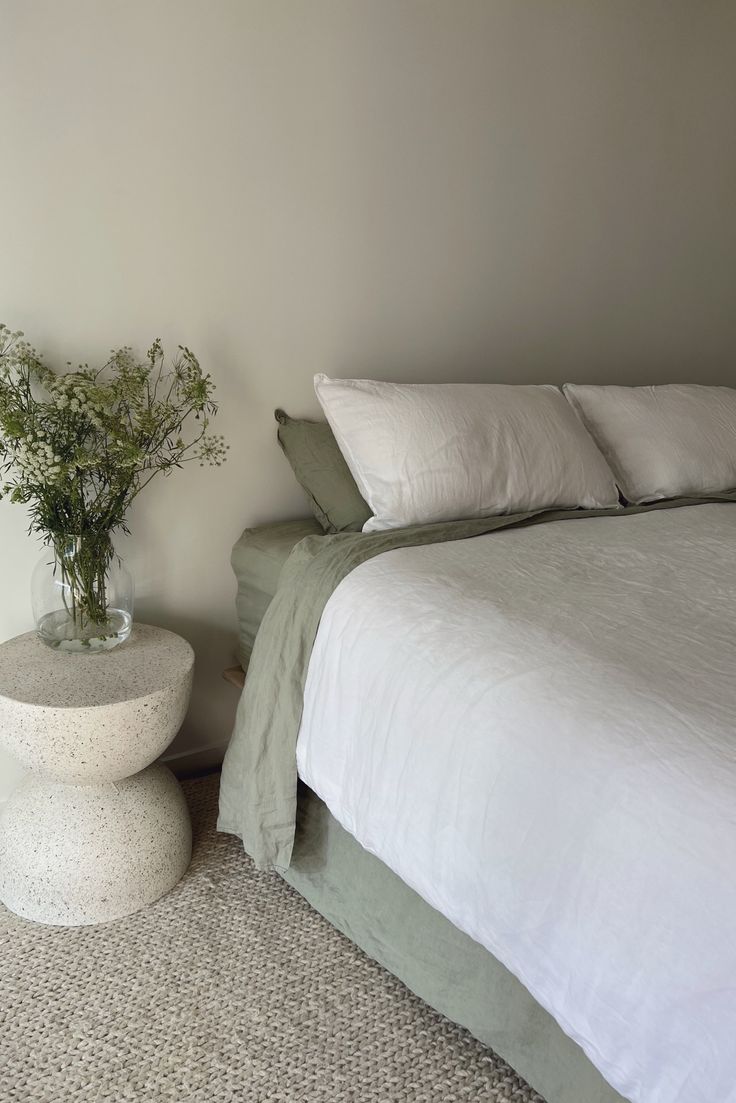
[196, 760]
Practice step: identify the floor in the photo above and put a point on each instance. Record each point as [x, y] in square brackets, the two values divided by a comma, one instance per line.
[231, 988]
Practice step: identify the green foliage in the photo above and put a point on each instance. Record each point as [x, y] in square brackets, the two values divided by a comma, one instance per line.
[77, 447]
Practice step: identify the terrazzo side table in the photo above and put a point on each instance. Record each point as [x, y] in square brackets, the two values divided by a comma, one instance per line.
[95, 832]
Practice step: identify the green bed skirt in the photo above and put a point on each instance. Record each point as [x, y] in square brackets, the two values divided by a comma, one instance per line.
[360, 896]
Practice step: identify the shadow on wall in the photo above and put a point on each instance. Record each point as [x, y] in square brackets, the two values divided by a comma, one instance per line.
[205, 733]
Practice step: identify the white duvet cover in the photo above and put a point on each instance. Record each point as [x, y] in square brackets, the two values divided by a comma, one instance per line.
[536, 729]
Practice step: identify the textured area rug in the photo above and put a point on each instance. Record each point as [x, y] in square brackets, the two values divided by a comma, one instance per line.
[231, 988]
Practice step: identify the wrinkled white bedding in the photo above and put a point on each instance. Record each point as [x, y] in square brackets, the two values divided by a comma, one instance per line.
[536, 729]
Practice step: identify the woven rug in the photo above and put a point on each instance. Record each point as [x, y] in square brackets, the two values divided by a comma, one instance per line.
[231, 989]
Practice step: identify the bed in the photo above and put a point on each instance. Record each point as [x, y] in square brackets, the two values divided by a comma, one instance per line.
[257, 560]
[489, 730]
[639, 597]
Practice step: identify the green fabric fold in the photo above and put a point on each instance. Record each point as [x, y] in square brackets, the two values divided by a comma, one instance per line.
[258, 792]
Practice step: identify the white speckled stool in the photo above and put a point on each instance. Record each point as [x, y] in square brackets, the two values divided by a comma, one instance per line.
[81, 840]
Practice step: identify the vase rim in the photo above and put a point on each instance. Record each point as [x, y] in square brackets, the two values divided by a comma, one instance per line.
[79, 535]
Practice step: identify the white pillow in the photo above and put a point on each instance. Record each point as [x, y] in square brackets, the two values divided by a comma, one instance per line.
[663, 442]
[440, 452]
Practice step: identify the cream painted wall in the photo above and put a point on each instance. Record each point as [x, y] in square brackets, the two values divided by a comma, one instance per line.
[518, 190]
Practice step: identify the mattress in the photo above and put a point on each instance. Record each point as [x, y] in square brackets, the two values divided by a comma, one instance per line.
[535, 731]
[257, 560]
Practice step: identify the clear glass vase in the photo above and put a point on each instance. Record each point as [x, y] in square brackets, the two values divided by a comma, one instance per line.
[82, 595]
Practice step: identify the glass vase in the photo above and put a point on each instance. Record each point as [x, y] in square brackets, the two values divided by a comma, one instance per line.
[82, 595]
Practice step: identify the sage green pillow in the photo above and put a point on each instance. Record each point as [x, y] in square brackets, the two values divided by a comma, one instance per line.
[319, 466]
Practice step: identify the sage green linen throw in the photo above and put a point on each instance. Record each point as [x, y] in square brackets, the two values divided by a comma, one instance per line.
[259, 779]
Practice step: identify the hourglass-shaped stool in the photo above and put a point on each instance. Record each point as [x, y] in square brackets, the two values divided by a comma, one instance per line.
[95, 831]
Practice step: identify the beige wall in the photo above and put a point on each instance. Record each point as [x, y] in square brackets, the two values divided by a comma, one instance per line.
[522, 190]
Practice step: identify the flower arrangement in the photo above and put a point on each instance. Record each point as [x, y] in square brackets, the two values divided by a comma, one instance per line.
[78, 447]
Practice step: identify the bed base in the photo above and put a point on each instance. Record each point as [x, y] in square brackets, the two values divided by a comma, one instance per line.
[451, 972]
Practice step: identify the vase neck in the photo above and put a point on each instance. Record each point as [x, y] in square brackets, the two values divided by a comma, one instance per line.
[74, 541]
